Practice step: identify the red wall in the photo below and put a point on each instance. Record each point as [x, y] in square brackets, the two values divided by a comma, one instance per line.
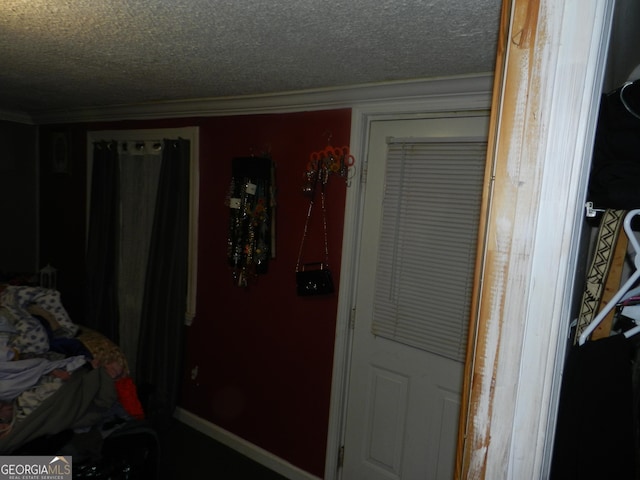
[263, 354]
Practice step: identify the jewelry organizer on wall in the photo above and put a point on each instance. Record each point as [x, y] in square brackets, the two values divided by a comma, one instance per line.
[251, 231]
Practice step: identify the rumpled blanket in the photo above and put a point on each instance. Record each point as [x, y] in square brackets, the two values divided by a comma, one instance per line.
[80, 402]
[20, 375]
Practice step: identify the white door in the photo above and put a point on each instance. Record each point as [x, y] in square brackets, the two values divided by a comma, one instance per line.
[403, 399]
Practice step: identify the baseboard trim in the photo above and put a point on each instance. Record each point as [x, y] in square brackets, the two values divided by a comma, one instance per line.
[242, 446]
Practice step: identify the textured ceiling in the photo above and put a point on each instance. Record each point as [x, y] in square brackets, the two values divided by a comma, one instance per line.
[61, 54]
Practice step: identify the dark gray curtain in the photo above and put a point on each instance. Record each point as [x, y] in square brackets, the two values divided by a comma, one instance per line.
[102, 242]
[160, 345]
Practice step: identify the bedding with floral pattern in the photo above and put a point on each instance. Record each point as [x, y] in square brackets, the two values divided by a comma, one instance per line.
[56, 375]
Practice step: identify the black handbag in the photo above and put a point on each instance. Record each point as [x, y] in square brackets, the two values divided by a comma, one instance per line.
[315, 278]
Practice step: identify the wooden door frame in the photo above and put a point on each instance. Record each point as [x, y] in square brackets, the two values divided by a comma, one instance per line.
[549, 72]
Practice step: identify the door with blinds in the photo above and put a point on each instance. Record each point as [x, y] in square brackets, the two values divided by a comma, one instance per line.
[415, 271]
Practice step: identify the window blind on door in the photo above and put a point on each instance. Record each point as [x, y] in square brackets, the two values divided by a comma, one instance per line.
[427, 249]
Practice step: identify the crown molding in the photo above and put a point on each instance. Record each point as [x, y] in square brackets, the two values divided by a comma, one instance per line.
[305, 100]
[16, 117]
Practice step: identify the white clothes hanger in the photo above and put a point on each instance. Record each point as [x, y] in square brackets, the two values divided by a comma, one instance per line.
[632, 331]
[624, 289]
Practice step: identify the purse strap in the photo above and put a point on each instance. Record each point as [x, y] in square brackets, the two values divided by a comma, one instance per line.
[322, 179]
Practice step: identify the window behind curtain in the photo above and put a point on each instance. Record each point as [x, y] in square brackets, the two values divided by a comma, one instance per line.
[140, 159]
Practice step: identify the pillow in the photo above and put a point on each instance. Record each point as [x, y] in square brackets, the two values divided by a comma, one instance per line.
[30, 335]
[46, 315]
[23, 297]
[7, 321]
[7, 335]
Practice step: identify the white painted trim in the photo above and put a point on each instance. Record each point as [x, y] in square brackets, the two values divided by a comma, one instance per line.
[573, 120]
[346, 298]
[457, 97]
[308, 100]
[242, 446]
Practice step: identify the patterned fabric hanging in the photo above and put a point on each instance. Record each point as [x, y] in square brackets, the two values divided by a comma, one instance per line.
[250, 232]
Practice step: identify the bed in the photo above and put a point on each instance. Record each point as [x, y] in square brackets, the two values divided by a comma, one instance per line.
[64, 388]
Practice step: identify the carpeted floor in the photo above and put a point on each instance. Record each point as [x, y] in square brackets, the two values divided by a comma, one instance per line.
[183, 453]
[189, 454]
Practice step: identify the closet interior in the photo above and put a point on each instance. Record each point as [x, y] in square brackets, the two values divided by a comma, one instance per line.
[598, 423]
